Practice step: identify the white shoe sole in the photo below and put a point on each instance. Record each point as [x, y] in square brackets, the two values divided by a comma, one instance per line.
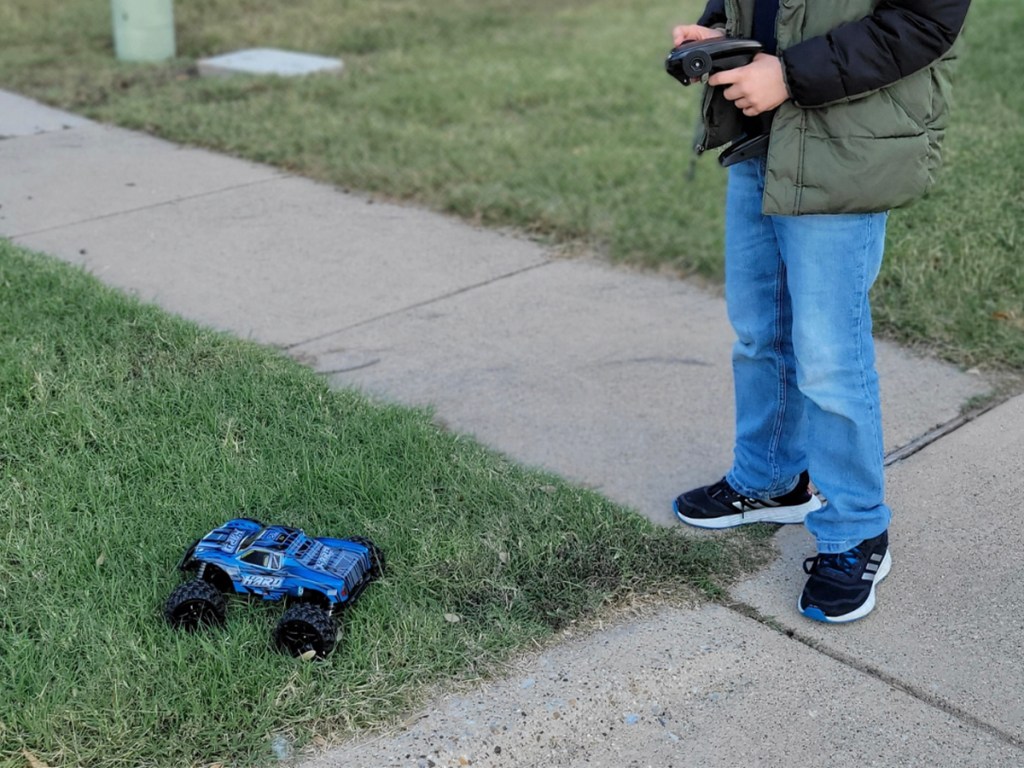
[781, 515]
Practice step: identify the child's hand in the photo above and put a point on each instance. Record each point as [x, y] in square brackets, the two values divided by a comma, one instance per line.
[687, 32]
[755, 88]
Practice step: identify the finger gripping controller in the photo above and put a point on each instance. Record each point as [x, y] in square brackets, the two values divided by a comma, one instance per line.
[694, 59]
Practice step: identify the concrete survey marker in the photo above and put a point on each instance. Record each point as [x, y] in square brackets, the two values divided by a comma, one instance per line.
[267, 61]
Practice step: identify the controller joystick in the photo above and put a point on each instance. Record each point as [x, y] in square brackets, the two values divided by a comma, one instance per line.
[694, 59]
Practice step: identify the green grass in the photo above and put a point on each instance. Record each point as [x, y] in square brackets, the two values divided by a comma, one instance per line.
[554, 118]
[127, 433]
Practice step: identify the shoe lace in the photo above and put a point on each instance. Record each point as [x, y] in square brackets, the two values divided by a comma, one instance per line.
[845, 562]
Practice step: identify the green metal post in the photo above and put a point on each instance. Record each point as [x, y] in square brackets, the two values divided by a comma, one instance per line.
[143, 29]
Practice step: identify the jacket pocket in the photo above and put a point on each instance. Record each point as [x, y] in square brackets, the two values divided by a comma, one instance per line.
[897, 111]
[913, 97]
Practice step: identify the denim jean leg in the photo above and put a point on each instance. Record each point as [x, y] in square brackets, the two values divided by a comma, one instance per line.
[831, 263]
[769, 444]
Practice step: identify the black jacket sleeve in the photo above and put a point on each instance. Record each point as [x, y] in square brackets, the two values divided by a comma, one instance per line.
[713, 14]
[897, 39]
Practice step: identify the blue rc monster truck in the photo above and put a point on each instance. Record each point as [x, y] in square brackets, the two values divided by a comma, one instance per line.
[246, 557]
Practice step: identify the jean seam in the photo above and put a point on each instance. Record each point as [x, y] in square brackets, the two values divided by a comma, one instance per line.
[865, 314]
[780, 361]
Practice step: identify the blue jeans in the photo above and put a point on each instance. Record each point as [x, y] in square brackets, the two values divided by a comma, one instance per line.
[804, 360]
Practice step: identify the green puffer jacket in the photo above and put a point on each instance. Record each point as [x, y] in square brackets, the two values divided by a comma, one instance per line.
[869, 152]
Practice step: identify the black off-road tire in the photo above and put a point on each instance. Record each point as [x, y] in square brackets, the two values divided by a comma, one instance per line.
[218, 578]
[195, 604]
[306, 627]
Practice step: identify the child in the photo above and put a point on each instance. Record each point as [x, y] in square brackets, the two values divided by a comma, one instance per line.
[856, 92]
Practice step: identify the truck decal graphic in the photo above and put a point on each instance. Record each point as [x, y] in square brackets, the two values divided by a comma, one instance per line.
[262, 582]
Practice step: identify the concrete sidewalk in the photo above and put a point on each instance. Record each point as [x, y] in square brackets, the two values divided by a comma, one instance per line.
[619, 381]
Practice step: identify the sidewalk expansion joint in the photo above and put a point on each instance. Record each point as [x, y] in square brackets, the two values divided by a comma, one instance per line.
[942, 430]
[935, 702]
[149, 207]
[415, 305]
[350, 368]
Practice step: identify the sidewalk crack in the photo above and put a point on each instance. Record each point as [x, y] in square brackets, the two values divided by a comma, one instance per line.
[150, 206]
[415, 305]
[942, 430]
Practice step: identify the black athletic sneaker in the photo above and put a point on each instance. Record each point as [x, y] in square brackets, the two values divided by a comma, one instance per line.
[842, 587]
[720, 506]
